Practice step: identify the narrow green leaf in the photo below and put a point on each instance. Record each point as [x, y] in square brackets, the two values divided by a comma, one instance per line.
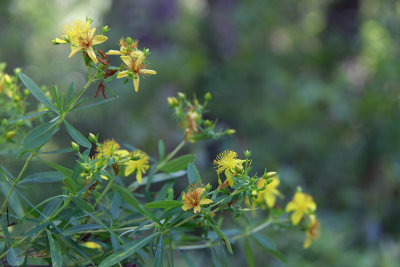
[69, 94]
[36, 229]
[97, 103]
[115, 205]
[55, 251]
[76, 135]
[163, 204]
[82, 204]
[70, 184]
[248, 252]
[126, 250]
[193, 174]
[40, 135]
[30, 115]
[15, 257]
[178, 163]
[159, 257]
[52, 207]
[160, 177]
[223, 237]
[131, 200]
[14, 202]
[269, 246]
[57, 151]
[81, 228]
[43, 177]
[161, 149]
[35, 91]
[67, 172]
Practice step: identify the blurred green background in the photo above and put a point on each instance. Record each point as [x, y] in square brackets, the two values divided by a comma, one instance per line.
[311, 86]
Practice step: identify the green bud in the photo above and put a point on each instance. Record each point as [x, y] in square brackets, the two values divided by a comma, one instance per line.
[207, 123]
[92, 138]
[254, 193]
[247, 153]
[4, 122]
[208, 187]
[75, 146]
[26, 92]
[270, 174]
[207, 96]
[230, 131]
[239, 168]
[10, 135]
[172, 101]
[20, 123]
[181, 95]
[129, 40]
[17, 98]
[104, 29]
[269, 180]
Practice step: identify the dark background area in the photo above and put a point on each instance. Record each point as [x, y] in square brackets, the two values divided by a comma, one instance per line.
[311, 87]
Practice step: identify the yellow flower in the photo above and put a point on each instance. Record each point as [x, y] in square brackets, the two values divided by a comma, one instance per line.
[227, 161]
[135, 64]
[312, 232]
[91, 245]
[108, 148]
[302, 204]
[193, 199]
[269, 194]
[140, 164]
[127, 46]
[82, 37]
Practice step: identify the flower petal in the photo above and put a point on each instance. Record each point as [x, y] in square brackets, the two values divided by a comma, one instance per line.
[197, 209]
[114, 53]
[139, 176]
[296, 217]
[128, 61]
[75, 50]
[122, 74]
[147, 72]
[92, 55]
[136, 82]
[98, 39]
[291, 206]
[205, 201]
[186, 206]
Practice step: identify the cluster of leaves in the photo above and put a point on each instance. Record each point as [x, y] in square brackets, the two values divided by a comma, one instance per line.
[101, 220]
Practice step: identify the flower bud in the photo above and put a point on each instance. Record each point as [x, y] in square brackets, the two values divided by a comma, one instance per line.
[172, 101]
[208, 187]
[230, 131]
[207, 96]
[247, 153]
[254, 193]
[269, 180]
[4, 121]
[270, 174]
[104, 29]
[92, 138]
[207, 123]
[20, 123]
[26, 92]
[239, 168]
[75, 146]
[181, 95]
[10, 135]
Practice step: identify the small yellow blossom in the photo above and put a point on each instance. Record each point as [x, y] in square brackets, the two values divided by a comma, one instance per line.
[269, 194]
[127, 46]
[227, 161]
[82, 37]
[194, 198]
[91, 245]
[302, 204]
[136, 66]
[139, 165]
[312, 232]
[108, 148]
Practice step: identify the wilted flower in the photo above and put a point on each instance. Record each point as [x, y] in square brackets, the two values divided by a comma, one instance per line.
[194, 198]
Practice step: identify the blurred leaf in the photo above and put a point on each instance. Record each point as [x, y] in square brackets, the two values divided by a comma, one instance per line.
[40, 135]
[36, 92]
[51, 207]
[43, 177]
[163, 204]
[97, 103]
[223, 237]
[82, 204]
[161, 149]
[114, 243]
[193, 174]
[115, 205]
[126, 250]
[269, 246]
[131, 200]
[36, 229]
[55, 251]
[15, 257]
[57, 151]
[80, 228]
[70, 184]
[159, 256]
[248, 252]
[29, 116]
[77, 136]
[178, 163]
[67, 172]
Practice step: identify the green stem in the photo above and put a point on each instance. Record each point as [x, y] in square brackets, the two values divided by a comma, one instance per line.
[28, 160]
[104, 191]
[170, 155]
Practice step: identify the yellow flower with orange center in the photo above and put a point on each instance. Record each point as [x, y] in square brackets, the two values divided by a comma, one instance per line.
[227, 161]
[194, 198]
[136, 66]
[81, 37]
[301, 204]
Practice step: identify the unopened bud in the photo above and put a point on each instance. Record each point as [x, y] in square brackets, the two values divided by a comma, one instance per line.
[92, 138]
[247, 153]
[230, 131]
[239, 168]
[270, 174]
[4, 122]
[207, 123]
[208, 187]
[75, 146]
[207, 96]
[26, 92]
[254, 193]
[269, 180]
[20, 123]
[172, 101]
[10, 135]
[181, 95]
[135, 156]
[104, 29]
